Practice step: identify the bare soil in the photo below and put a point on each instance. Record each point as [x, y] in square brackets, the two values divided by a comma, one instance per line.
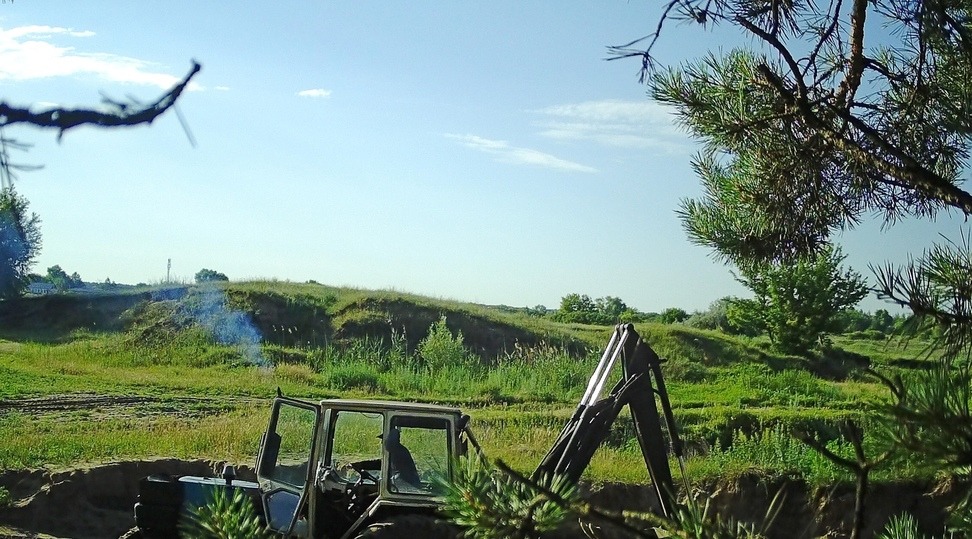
[82, 503]
[96, 502]
[141, 406]
[802, 511]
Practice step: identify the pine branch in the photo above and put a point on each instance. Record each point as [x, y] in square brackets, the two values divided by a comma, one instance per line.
[582, 509]
[63, 119]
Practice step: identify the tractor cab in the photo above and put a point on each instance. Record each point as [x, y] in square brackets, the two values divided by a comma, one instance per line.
[330, 468]
[341, 468]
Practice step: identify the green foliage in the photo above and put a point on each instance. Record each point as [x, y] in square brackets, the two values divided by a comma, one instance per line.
[723, 387]
[772, 452]
[207, 275]
[790, 387]
[673, 315]
[20, 243]
[539, 311]
[610, 307]
[577, 303]
[5, 498]
[745, 317]
[936, 288]
[60, 279]
[354, 376]
[226, 517]
[902, 526]
[798, 303]
[932, 417]
[794, 151]
[824, 122]
[491, 504]
[440, 348]
[716, 317]
[694, 521]
[606, 311]
[854, 320]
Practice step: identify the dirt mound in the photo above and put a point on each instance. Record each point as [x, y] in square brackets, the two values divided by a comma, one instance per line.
[802, 512]
[95, 502]
[486, 336]
[54, 317]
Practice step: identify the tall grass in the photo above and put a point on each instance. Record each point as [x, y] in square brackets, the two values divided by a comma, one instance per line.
[30, 441]
[736, 409]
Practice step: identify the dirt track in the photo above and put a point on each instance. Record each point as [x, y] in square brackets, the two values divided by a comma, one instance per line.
[123, 405]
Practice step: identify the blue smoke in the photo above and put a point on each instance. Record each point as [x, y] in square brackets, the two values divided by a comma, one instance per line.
[13, 253]
[227, 326]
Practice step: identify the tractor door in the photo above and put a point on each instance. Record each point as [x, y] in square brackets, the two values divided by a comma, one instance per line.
[420, 450]
[284, 467]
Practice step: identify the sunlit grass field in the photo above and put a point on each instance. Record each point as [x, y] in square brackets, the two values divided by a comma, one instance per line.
[736, 403]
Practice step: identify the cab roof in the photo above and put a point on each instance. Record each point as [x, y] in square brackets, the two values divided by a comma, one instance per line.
[390, 405]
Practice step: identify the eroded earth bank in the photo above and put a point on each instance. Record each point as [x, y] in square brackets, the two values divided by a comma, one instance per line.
[96, 502]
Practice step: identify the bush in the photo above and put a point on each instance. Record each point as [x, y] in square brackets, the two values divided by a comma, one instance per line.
[352, 376]
[226, 517]
[440, 349]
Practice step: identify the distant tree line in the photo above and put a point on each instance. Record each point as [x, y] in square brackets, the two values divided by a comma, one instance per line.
[580, 308]
[59, 278]
[793, 326]
[206, 275]
[795, 304]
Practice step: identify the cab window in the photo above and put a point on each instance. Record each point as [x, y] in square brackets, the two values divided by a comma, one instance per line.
[419, 452]
[356, 444]
[289, 445]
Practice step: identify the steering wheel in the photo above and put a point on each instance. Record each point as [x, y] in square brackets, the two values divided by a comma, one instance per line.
[363, 472]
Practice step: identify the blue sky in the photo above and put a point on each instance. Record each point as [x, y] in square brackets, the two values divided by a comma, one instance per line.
[482, 152]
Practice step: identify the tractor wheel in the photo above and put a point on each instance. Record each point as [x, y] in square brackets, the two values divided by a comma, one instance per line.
[407, 527]
[133, 533]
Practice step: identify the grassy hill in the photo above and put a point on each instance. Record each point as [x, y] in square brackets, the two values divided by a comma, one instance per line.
[187, 372]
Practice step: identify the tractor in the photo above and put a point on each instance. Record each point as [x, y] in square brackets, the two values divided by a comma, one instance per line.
[342, 468]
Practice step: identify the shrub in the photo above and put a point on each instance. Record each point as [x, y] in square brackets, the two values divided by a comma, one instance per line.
[226, 517]
[440, 349]
[490, 503]
[352, 376]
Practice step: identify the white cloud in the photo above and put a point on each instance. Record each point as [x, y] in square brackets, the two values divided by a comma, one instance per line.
[43, 105]
[28, 52]
[46, 31]
[518, 156]
[611, 122]
[315, 92]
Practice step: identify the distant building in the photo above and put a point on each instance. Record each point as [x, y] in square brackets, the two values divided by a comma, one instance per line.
[41, 288]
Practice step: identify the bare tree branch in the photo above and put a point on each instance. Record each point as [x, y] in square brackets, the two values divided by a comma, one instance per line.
[856, 61]
[63, 119]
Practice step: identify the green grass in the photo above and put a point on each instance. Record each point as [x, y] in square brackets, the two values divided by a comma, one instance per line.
[31, 442]
[735, 400]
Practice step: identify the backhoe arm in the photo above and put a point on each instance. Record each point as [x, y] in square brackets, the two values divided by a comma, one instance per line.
[591, 422]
